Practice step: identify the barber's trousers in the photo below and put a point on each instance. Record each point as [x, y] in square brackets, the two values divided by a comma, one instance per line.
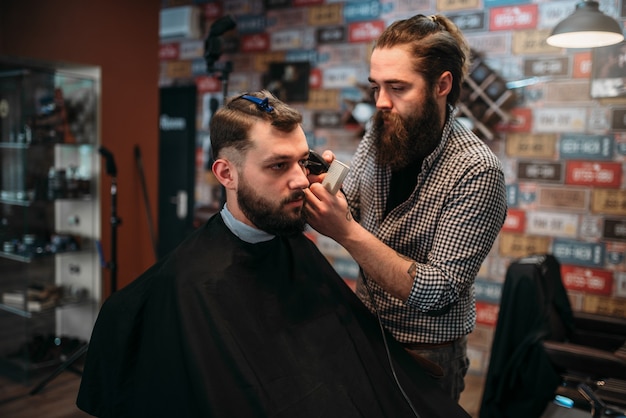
[448, 363]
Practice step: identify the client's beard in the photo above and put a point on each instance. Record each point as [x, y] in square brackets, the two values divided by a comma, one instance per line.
[268, 215]
[402, 141]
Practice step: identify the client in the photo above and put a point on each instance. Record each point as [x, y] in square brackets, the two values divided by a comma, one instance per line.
[246, 318]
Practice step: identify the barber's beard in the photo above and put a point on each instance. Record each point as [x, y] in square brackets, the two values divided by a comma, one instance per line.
[268, 215]
[401, 141]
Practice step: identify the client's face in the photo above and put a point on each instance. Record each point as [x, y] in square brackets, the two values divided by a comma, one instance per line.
[271, 182]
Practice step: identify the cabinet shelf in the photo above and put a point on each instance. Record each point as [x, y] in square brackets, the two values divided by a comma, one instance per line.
[39, 354]
[61, 304]
[28, 145]
[16, 257]
[15, 202]
[13, 145]
[29, 202]
[29, 258]
[17, 367]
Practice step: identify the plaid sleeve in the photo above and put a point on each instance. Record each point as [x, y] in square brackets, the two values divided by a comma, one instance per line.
[466, 230]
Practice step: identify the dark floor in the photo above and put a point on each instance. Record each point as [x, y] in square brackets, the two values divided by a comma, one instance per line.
[56, 400]
[58, 397]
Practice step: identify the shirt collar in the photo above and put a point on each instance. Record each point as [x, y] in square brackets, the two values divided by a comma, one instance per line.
[244, 232]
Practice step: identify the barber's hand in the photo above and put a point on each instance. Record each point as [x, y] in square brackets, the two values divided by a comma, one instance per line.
[326, 213]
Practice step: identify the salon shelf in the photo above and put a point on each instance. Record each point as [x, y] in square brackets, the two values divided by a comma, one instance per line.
[30, 257]
[30, 202]
[62, 303]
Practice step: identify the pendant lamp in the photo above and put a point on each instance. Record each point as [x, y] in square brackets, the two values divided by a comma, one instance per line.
[587, 27]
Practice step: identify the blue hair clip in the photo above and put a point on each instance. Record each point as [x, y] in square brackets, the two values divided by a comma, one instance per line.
[262, 104]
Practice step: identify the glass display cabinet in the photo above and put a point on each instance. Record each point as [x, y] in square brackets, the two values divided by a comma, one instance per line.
[50, 269]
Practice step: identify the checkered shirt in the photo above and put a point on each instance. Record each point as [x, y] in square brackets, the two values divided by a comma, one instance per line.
[448, 225]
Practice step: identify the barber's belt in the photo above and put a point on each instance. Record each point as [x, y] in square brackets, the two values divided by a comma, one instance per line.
[428, 346]
[431, 367]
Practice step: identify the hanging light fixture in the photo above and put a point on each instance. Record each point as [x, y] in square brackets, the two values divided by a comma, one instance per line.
[587, 27]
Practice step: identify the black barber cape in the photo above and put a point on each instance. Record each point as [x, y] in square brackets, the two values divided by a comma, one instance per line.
[224, 328]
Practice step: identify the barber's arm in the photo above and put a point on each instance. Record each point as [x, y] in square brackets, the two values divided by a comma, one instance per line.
[466, 232]
[329, 215]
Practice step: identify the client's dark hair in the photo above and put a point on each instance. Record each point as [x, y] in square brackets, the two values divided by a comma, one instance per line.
[231, 123]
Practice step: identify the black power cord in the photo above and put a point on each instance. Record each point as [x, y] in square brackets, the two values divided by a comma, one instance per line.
[383, 333]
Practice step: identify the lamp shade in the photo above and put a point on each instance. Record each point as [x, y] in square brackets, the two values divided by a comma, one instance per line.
[587, 27]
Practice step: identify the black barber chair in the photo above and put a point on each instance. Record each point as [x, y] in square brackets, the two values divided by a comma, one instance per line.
[541, 349]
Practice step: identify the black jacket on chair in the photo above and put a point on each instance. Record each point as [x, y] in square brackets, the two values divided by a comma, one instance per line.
[521, 380]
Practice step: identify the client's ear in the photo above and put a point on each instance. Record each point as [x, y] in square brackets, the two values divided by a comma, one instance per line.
[225, 172]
